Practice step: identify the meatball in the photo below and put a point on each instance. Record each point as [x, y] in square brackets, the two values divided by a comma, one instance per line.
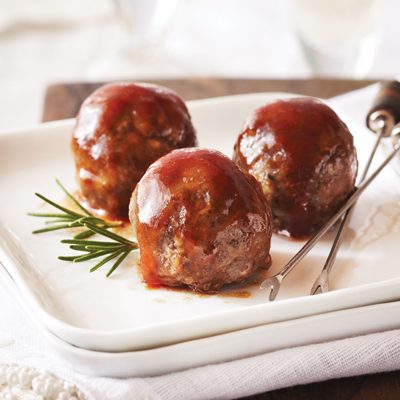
[200, 221]
[121, 129]
[303, 156]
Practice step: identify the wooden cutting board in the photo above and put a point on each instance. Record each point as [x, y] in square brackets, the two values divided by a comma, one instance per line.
[63, 101]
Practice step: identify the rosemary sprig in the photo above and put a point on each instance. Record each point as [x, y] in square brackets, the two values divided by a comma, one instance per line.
[67, 219]
[117, 247]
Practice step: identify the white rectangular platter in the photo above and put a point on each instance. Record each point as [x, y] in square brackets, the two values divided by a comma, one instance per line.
[119, 313]
[219, 348]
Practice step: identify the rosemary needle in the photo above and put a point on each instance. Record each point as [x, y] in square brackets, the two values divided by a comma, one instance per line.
[67, 218]
[115, 248]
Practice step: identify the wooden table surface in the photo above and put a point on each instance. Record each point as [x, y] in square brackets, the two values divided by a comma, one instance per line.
[63, 101]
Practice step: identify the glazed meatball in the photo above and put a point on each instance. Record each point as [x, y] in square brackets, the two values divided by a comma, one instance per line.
[121, 129]
[200, 221]
[303, 156]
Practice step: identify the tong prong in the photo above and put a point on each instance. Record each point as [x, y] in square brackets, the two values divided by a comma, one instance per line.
[273, 283]
[322, 281]
[321, 284]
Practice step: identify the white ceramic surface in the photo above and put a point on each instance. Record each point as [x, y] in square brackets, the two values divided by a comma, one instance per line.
[219, 348]
[119, 313]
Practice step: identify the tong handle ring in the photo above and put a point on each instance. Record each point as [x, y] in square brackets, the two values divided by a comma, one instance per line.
[385, 111]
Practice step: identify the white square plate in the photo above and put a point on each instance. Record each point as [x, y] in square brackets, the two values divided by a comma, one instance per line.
[119, 313]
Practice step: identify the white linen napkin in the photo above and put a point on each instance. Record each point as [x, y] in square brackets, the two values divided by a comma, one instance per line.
[21, 343]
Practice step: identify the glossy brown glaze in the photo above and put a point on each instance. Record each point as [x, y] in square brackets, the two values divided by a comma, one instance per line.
[200, 221]
[121, 129]
[303, 156]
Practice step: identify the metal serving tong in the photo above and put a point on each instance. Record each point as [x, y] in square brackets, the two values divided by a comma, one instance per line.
[381, 120]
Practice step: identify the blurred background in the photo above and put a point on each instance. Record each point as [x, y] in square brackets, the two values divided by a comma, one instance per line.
[46, 41]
